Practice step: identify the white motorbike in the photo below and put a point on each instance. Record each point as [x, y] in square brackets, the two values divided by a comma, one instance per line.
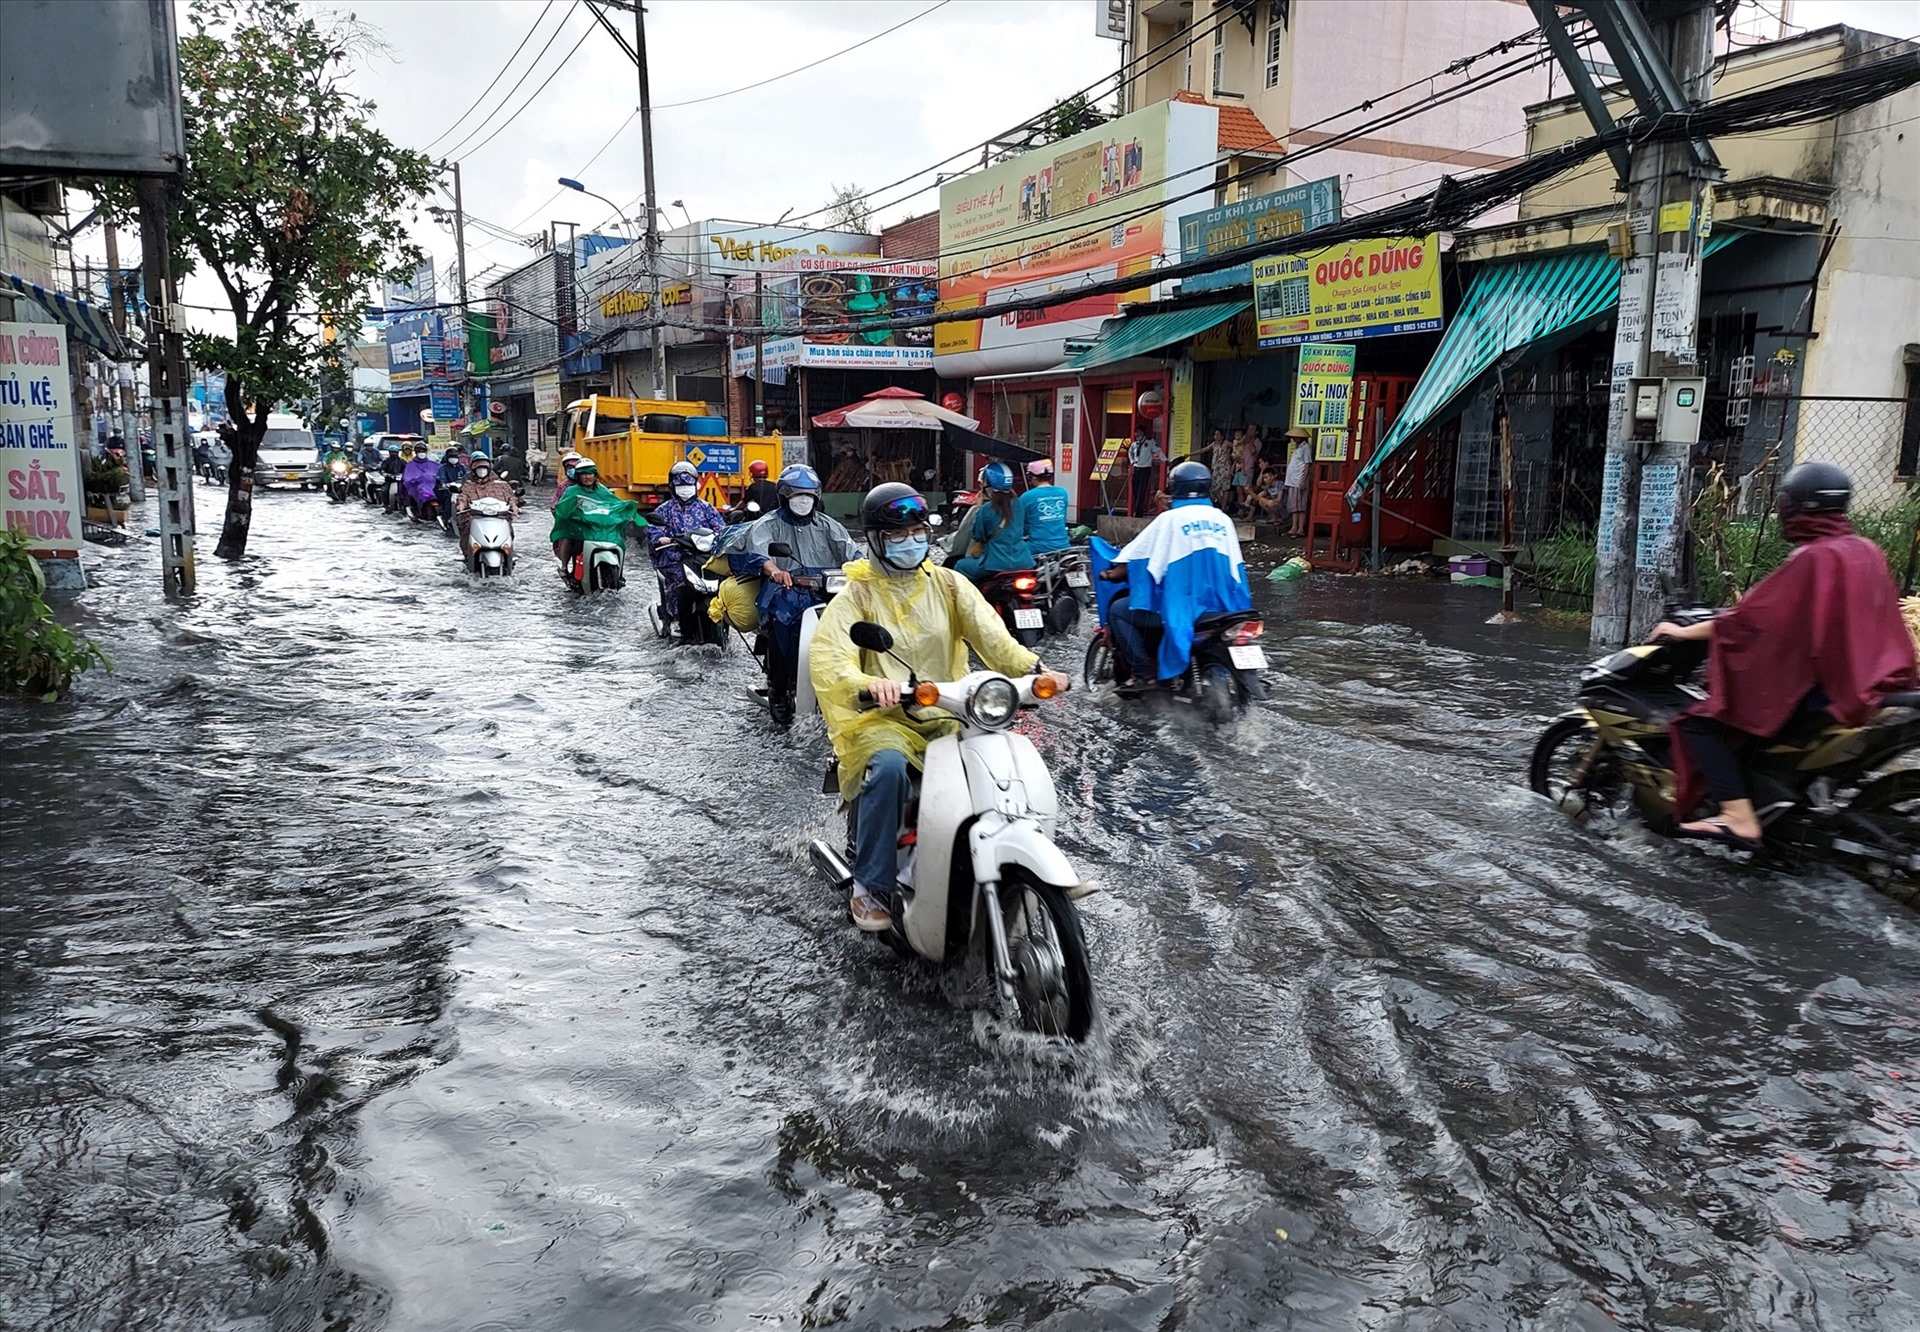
[981, 880]
[489, 538]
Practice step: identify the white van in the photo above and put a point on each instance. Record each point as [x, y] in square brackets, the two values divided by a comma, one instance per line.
[288, 454]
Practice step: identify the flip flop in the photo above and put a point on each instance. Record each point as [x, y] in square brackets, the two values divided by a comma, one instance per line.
[1717, 832]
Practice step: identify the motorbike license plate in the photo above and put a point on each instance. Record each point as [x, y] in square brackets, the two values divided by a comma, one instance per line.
[1077, 579]
[1247, 657]
[1027, 617]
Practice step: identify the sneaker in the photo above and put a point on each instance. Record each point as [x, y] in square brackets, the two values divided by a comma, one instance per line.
[869, 912]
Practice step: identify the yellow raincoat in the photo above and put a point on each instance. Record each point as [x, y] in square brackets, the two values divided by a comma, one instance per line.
[933, 615]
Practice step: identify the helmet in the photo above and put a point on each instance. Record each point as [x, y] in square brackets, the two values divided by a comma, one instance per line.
[797, 479]
[758, 469]
[585, 465]
[451, 455]
[393, 446]
[1189, 480]
[683, 470]
[892, 506]
[996, 476]
[482, 460]
[1814, 487]
[1040, 467]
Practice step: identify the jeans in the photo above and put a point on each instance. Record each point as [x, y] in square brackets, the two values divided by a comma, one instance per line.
[1129, 629]
[878, 813]
[1720, 751]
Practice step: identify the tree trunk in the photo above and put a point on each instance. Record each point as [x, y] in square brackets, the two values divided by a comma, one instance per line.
[248, 432]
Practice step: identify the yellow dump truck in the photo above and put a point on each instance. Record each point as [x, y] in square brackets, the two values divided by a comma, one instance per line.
[634, 441]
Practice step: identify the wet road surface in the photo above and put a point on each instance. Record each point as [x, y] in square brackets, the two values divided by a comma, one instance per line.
[379, 950]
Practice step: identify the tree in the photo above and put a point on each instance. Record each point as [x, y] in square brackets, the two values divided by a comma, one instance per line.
[848, 209]
[291, 198]
[1066, 118]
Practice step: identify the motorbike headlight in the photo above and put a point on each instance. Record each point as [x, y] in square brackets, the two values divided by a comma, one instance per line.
[994, 702]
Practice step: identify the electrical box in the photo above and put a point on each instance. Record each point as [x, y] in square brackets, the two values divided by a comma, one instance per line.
[1665, 411]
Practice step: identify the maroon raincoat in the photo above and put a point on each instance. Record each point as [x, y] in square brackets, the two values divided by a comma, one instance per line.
[1829, 616]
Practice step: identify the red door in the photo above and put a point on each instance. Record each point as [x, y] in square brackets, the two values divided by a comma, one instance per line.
[1416, 483]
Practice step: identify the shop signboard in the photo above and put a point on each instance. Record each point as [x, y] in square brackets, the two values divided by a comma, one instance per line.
[784, 353]
[729, 247]
[1110, 450]
[1366, 289]
[1323, 397]
[433, 352]
[830, 293]
[1106, 202]
[444, 403]
[1261, 220]
[406, 352]
[39, 471]
[413, 292]
[546, 393]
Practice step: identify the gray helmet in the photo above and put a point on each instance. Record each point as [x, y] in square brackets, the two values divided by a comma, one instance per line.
[1814, 487]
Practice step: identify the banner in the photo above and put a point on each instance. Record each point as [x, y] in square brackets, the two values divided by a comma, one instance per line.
[445, 404]
[1323, 397]
[39, 476]
[546, 393]
[1261, 220]
[1367, 289]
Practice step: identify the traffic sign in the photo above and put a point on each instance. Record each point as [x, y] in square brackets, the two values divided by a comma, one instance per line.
[715, 457]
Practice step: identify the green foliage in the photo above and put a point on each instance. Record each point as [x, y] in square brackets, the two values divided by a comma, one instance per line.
[38, 654]
[292, 199]
[103, 478]
[1732, 552]
[1069, 117]
[1564, 561]
[849, 209]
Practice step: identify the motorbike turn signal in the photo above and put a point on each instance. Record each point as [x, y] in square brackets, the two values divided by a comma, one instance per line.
[1044, 687]
[926, 693]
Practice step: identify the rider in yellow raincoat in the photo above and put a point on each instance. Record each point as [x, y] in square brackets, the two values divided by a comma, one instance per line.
[934, 615]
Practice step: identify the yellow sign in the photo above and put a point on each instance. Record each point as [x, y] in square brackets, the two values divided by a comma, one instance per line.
[1676, 216]
[1109, 454]
[1367, 289]
[1323, 393]
[1180, 420]
[617, 304]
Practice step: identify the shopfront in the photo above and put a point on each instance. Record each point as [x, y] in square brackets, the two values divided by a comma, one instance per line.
[1084, 422]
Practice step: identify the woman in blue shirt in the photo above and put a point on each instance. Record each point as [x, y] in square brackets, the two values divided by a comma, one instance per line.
[1045, 507]
[997, 537]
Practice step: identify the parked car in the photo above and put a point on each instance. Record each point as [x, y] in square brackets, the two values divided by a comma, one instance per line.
[288, 455]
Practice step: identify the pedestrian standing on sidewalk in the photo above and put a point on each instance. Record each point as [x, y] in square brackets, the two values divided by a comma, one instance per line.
[1220, 463]
[1145, 455]
[1298, 463]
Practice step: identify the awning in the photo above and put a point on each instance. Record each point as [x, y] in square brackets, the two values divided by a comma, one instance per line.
[88, 322]
[1139, 334]
[962, 437]
[1511, 305]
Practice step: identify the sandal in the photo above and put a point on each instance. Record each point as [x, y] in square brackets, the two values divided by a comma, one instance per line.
[1716, 830]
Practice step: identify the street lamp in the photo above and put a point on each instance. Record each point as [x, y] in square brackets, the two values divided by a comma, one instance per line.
[655, 335]
[683, 211]
[576, 185]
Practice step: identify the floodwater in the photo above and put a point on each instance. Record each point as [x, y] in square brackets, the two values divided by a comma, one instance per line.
[380, 951]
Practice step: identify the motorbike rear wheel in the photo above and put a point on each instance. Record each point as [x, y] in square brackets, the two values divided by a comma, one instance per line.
[1053, 983]
[1892, 804]
[1585, 785]
[1218, 694]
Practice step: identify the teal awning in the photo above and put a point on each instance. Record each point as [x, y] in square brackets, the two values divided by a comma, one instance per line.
[1510, 305]
[1140, 334]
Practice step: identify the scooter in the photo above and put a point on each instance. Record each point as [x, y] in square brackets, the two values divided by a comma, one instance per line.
[1224, 666]
[980, 879]
[696, 549]
[1014, 594]
[825, 585]
[489, 538]
[339, 480]
[443, 508]
[1066, 585]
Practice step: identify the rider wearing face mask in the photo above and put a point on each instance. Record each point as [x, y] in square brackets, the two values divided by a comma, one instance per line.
[934, 615]
[481, 483]
[682, 512]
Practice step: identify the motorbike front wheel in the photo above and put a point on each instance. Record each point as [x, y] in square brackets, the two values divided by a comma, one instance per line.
[1053, 982]
[1892, 804]
[1576, 771]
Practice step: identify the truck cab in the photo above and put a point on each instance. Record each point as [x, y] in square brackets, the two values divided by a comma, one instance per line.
[634, 441]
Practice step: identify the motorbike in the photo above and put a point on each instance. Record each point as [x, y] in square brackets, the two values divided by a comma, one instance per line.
[601, 564]
[1839, 793]
[340, 479]
[489, 538]
[959, 504]
[1013, 594]
[1066, 585]
[696, 549]
[981, 882]
[825, 585]
[443, 508]
[1225, 665]
[744, 512]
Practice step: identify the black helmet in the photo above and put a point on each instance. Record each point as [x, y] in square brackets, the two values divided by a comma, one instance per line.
[1189, 480]
[892, 506]
[1814, 487]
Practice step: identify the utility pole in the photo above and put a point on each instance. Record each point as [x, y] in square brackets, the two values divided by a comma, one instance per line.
[1644, 492]
[167, 388]
[727, 288]
[759, 356]
[654, 311]
[116, 309]
[460, 275]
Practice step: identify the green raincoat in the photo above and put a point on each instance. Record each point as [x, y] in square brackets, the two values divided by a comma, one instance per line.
[934, 615]
[593, 515]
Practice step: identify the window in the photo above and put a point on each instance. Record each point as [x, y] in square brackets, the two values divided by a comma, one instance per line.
[1274, 31]
[1910, 433]
[1220, 53]
[1186, 51]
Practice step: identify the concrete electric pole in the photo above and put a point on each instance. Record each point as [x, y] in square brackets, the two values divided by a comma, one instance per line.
[167, 388]
[658, 343]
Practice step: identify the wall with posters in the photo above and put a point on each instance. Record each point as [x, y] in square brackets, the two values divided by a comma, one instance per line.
[39, 470]
[1092, 206]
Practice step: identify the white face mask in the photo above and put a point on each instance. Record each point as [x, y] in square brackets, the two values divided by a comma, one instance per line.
[685, 492]
[800, 505]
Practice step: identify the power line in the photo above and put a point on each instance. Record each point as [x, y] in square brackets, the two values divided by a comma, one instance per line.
[462, 149]
[812, 64]
[582, 170]
[538, 20]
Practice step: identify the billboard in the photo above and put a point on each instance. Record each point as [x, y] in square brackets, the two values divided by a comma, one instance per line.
[39, 472]
[407, 352]
[825, 293]
[1094, 205]
[90, 87]
[1257, 221]
[1366, 289]
[414, 292]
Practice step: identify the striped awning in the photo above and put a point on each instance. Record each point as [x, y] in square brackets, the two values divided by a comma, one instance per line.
[1510, 306]
[1138, 334]
[88, 322]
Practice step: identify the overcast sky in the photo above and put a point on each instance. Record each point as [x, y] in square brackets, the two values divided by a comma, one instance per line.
[939, 85]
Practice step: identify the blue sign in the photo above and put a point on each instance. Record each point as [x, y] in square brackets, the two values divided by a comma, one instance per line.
[714, 457]
[1255, 221]
[445, 403]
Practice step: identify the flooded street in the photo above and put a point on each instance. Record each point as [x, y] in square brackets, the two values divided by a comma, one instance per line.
[384, 951]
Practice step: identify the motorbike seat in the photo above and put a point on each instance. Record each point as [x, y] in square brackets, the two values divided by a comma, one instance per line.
[1216, 620]
[1906, 698]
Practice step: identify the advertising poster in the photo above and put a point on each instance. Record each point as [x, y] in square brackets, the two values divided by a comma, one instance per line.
[1323, 397]
[41, 491]
[1368, 289]
[828, 294]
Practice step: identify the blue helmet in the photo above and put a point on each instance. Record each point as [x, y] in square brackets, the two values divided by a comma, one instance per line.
[797, 479]
[996, 476]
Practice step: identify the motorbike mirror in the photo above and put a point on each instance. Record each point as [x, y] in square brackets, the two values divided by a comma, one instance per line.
[870, 637]
[935, 520]
[780, 550]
